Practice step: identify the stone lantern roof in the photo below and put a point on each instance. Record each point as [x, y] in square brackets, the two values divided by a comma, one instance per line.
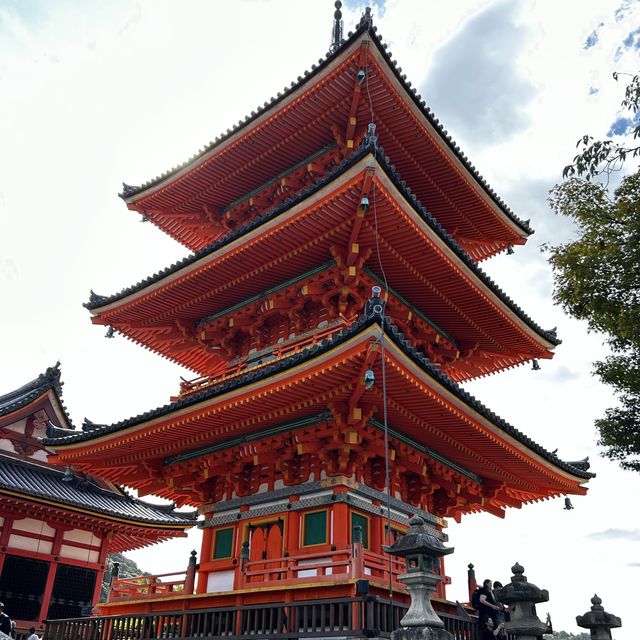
[598, 621]
[520, 589]
[418, 541]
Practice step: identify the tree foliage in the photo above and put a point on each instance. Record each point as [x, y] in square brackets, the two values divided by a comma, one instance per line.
[597, 275]
[563, 635]
[606, 156]
[127, 569]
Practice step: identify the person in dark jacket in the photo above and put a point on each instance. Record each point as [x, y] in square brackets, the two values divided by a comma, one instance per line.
[5, 621]
[488, 608]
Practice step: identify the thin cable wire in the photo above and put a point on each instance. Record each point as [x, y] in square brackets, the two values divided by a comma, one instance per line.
[382, 351]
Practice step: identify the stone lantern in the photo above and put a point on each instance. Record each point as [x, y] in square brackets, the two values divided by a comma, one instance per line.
[421, 548]
[522, 597]
[598, 621]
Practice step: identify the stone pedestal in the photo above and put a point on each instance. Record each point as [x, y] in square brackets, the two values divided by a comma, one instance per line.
[598, 621]
[421, 633]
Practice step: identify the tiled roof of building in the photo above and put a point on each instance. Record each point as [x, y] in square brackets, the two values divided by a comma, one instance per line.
[365, 25]
[97, 301]
[39, 482]
[370, 317]
[26, 394]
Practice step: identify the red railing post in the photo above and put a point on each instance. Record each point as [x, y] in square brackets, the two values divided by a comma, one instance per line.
[190, 577]
[357, 561]
[471, 580]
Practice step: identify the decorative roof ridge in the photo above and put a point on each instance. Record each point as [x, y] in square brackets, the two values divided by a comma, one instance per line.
[52, 431]
[364, 25]
[50, 379]
[369, 146]
[53, 470]
[86, 485]
[373, 314]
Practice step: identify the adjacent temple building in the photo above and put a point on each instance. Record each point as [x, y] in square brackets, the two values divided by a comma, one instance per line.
[331, 306]
[59, 526]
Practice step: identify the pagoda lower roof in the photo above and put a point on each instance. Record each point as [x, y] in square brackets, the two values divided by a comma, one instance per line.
[422, 403]
[47, 485]
[305, 118]
[420, 259]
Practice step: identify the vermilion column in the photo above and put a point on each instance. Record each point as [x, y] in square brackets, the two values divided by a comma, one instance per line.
[53, 566]
[206, 553]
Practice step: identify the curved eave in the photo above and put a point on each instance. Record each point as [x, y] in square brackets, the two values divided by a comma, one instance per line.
[459, 164]
[492, 430]
[125, 535]
[189, 268]
[98, 515]
[40, 482]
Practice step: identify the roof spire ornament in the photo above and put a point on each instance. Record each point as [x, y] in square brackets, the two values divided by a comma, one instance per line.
[336, 36]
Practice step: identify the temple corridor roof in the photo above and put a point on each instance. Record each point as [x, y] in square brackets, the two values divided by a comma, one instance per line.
[31, 483]
[40, 482]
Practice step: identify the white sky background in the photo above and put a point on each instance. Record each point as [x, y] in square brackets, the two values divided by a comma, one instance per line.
[92, 94]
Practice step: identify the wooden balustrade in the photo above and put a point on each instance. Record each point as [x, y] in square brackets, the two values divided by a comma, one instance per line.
[340, 617]
[149, 586]
[278, 351]
[355, 562]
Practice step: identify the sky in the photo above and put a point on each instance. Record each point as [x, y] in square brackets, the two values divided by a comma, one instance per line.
[94, 94]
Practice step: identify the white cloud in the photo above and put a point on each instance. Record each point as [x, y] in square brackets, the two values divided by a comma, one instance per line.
[124, 90]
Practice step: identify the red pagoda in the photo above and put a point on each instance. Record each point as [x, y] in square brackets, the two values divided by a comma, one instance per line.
[58, 526]
[332, 303]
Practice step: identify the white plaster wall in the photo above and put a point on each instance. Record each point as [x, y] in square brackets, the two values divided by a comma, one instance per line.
[218, 581]
[77, 535]
[76, 553]
[29, 544]
[34, 526]
[17, 427]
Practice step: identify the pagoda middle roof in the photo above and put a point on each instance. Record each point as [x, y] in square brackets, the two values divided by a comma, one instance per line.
[254, 151]
[118, 308]
[74, 444]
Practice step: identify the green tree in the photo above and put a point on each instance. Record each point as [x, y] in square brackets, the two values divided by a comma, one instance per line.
[606, 156]
[127, 569]
[563, 635]
[597, 275]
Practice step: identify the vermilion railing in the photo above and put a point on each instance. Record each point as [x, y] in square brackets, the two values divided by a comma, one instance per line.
[355, 562]
[278, 351]
[368, 616]
[151, 586]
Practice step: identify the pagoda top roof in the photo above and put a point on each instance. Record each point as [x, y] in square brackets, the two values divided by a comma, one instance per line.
[49, 381]
[98, 302]
[137, 196]
[368, 319]
[35, 481]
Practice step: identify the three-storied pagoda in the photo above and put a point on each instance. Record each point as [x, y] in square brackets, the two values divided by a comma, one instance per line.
[331, 306]
[57, 527]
